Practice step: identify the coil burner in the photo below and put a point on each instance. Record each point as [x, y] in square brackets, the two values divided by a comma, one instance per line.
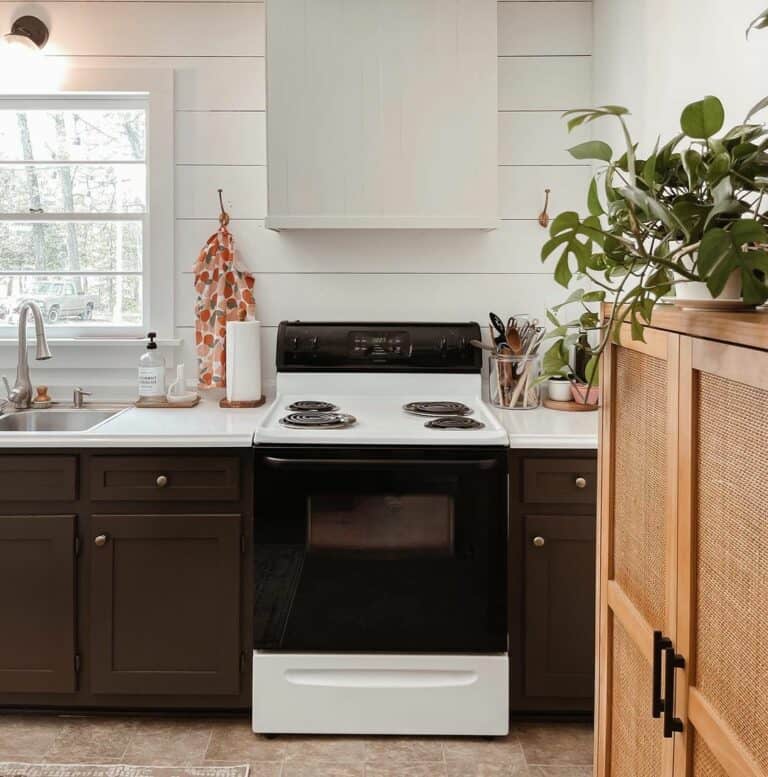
[437, 408]
[454, 422]
[315, 420]
[312, 406]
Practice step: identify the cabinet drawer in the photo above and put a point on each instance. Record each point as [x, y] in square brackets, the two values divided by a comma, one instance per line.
[38, 478]
[164, 478]
[560, 481]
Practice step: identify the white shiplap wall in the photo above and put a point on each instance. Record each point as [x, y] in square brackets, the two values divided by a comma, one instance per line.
[216, 50]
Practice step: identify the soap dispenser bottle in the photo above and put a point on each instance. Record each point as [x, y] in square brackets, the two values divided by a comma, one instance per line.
[152, 371]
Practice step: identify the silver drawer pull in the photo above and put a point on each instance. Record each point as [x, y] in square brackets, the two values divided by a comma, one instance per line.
[162, 481]
[100, 540]
[581, 482]
[539, 542]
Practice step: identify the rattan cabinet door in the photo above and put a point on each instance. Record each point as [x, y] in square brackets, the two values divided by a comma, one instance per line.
[637, 587]
[723, 561]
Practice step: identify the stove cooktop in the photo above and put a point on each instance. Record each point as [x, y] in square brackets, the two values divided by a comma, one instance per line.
[380, 420]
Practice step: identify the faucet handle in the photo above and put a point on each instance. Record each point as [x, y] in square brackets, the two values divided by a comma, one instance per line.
[7, 387]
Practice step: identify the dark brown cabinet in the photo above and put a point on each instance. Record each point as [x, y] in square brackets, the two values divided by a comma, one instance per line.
[552, 581]
[37, 603]
[126, 579]
[165, 604]
[164, 478]
[559, 606]
[38, 478]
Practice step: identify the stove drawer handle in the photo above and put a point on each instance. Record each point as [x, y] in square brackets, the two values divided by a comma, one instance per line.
[317, 464]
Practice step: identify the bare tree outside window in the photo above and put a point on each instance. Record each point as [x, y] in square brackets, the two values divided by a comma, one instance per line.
[73, 220]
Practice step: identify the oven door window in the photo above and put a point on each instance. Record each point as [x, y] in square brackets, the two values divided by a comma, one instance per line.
[364, 555]
[384, 526]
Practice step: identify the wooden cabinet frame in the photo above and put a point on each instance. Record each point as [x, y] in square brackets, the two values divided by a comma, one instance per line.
[688, 360]
[750, 367]
[613, 602]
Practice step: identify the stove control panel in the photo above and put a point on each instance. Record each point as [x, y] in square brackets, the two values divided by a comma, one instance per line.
[363, 347]
[379, 346]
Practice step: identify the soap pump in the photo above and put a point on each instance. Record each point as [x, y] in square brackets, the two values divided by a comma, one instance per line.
[152, 371]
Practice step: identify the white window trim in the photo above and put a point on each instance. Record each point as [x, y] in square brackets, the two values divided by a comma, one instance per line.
[156, 88]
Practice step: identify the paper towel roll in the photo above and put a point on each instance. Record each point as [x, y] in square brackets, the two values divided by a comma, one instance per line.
[243, 361]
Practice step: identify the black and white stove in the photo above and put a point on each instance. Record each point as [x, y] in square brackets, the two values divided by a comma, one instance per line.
[380, 536]
[362, 384]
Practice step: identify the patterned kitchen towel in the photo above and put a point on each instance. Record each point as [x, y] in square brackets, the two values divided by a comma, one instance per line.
[224, 293]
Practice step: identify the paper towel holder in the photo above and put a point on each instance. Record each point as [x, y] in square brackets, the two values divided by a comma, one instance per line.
[242, 404]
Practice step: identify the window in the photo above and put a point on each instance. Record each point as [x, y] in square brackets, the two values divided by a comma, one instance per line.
[73, 212]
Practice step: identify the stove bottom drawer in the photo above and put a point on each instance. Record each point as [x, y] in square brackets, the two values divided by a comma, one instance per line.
[305, 693]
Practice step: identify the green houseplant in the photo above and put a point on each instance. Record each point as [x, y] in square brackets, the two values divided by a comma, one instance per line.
[693, 210]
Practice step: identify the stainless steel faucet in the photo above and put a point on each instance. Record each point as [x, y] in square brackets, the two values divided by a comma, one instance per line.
[20, 396]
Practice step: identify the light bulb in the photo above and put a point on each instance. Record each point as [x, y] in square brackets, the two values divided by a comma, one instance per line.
[23, 68]
[20, 44]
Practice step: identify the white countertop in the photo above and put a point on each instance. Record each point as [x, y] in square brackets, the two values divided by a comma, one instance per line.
[204, 426]
[553, 429]
[209, 426]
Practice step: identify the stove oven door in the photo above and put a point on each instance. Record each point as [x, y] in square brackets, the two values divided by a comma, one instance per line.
[381, 550]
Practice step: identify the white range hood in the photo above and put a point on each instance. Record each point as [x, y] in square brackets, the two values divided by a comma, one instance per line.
[382, 114]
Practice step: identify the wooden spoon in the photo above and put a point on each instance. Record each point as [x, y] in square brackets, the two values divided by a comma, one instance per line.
[514, 342]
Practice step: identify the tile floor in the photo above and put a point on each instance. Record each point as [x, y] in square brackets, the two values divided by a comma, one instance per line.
[531, 749]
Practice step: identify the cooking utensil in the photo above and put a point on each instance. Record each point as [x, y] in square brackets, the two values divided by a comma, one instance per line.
[482, 345]
[514, 341]
[498, 325]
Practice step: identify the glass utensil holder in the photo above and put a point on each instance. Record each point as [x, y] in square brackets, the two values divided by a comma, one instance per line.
[512, 381]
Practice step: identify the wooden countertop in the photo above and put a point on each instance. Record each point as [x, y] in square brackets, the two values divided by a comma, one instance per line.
[749, 328]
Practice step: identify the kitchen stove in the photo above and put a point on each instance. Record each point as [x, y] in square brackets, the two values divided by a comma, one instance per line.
[380, 536]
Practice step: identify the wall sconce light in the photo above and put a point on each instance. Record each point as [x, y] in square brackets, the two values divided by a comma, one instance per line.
[23, 68]
[27, 32]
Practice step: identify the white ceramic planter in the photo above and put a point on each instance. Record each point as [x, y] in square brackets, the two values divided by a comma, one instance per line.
[696, 291]
[559, 390]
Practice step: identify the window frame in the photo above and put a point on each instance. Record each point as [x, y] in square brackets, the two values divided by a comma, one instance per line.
[153, 90]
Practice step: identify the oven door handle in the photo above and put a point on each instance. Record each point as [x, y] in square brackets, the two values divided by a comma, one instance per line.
[324, 464]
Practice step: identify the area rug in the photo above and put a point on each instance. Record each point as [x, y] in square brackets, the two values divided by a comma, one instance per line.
[10, 769]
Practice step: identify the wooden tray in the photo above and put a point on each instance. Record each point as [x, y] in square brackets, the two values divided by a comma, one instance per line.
[572, 407]
[237, 404]
[164, 403]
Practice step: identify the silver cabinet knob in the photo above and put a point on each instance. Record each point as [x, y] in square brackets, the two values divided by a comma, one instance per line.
[100, 540]
[581, 482]
[539, 542]
[162, 481]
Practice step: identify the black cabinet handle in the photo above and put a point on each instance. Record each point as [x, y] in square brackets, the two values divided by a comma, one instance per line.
[660, 642]
[672, 661]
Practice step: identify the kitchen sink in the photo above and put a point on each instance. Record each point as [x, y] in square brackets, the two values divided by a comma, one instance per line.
[54, 420]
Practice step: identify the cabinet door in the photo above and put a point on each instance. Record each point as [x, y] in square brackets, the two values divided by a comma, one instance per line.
[165, 604]
[723, 561]
[637, 584]
[37, 603]
[559, 604]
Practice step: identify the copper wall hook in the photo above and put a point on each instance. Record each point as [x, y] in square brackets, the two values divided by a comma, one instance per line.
[223, 215]
[544, 216]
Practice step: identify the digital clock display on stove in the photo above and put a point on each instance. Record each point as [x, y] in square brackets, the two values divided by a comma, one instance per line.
[379, 346]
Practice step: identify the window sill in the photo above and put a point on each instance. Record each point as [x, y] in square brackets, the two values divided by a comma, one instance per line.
[94, 342]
